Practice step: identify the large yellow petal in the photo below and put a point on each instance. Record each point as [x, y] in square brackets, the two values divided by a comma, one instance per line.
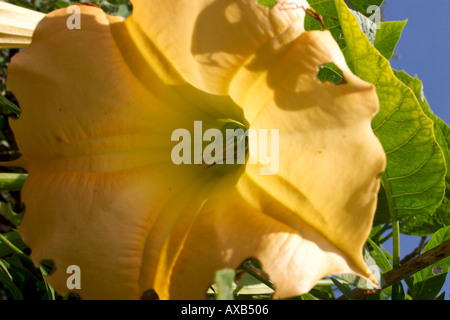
[329, 158]
[102, 191]
[230, 229]
[103, 223]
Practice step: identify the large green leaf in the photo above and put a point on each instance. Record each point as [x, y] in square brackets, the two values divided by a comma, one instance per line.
[414, 180]
[429, 281]
[441, 217]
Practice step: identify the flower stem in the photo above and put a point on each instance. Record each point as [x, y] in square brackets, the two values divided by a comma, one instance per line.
[395, 233]
[396, 244]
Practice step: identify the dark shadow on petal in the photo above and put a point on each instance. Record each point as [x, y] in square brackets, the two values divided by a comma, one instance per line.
[233, 19]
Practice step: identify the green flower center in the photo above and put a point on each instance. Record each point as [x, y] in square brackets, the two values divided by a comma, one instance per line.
[230, 147]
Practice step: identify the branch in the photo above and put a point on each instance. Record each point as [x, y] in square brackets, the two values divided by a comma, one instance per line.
[409, 268]
[416, 252]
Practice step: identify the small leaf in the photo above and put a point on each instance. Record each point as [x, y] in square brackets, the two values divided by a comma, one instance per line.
[224, 280]
[344, 289]
[7, 107]
[330, 73]
[359, 282]
[249, 285]
[12, 181]
[388, 36]
[14, 238]
[9, 214]
[267, 3]
[307, 296]
[7, 281]
[381, 260]
[49, 291]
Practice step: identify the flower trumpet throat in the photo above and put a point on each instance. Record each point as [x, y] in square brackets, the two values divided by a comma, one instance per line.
[167, 146]
[230, 143]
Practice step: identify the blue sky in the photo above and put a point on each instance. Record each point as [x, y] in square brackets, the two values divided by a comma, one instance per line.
[424, 49]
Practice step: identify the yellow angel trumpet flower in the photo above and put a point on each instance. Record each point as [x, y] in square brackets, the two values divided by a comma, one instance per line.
[17, 25]
[100, 104]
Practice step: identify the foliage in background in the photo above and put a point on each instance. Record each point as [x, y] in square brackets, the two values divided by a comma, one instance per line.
[414, 198]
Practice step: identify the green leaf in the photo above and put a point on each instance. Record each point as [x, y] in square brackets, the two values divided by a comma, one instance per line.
[344, 289]
[307, 296]
[22, 3]
[7, 280]
[49, 291]
[322, 293]
[12, 216]
[423, 225]
[267, 3]
[359, 282]
[414, 178]
[62, 3]
[327, 9]
[382, 215]
[429, 281]
[379, 257]
[368, 27]
[366, 7]
[124, 11]
[224, 280]
[388, 36]
[250, 286]
[14, 238]
[7, 107]
[330, 73]
[12, 181]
